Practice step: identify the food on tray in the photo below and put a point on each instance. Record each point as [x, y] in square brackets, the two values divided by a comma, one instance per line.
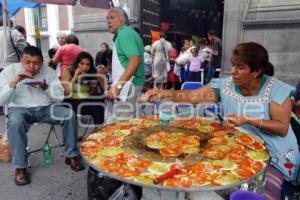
[245, 139]
[173, 144]
[256, 146]
[146, 178]
[159, 168]
[144, 148]
[224, 164]
[258, 155]
[224, 178]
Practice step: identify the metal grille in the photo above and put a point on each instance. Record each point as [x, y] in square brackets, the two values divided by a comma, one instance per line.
[150, 18]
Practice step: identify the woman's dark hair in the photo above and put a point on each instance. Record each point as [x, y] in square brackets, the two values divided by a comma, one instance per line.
[21, 29]
[81, 56]
[212, 32]
[51, 52]
[269, 70]
[252, 54]
[72, 39]
[105, 44]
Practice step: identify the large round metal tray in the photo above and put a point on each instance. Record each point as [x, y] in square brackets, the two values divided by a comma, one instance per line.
[138, 151]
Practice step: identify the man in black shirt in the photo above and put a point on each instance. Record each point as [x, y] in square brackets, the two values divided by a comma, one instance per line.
[216, 53]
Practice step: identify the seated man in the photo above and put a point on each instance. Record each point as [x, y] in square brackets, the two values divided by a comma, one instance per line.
[29, 89]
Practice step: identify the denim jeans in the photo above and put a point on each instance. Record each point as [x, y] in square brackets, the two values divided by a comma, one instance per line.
[210, 74]
[20, 120]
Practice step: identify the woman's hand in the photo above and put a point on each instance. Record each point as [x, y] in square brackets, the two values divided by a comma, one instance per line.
[234, 120]
[77, 73]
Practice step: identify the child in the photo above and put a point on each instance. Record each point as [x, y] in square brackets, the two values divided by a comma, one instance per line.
[148, 68]
[195, 66]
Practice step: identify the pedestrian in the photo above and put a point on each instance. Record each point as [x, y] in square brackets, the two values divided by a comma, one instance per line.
[196, 62]
[127, 63]
[66, 54]
[61, 40]
[148, 60]
[161, 50]
[15, 45]
[103, 62]
[216, 54]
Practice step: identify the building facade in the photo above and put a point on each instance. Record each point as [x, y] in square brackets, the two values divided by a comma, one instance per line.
[51, 20]
[274, 24]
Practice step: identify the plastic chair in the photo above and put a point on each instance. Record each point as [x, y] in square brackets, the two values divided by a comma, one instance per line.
[189, 86]
[246, 195]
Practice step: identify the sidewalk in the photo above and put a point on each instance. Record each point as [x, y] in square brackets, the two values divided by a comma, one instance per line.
[54, 182]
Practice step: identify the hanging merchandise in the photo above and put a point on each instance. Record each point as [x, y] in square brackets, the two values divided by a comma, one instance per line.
[155, 35]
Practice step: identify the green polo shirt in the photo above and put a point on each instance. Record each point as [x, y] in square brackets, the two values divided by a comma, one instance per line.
[128, 44]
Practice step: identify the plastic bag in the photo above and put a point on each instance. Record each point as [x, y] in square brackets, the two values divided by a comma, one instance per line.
[5, 153]
[101, 187]
[125, 192]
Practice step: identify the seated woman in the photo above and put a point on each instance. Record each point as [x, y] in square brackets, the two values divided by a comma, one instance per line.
[83, 86]
[256, 102]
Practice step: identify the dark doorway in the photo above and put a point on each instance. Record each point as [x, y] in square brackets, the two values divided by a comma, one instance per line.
[187, 18]
[195, 17]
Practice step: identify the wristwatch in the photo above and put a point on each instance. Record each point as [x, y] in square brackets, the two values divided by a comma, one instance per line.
[119, 86]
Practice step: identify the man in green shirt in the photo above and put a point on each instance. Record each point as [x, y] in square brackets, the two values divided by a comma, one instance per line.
[127, 62]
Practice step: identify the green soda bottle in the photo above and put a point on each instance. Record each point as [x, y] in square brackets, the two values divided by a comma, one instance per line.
[47, 153]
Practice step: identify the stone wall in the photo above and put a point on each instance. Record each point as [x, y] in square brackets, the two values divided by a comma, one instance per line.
[90, 26]
[274, 24]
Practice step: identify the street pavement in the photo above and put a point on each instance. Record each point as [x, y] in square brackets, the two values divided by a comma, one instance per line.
[54, 182]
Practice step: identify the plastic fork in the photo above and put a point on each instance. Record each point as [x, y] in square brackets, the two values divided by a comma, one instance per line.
[190, 160]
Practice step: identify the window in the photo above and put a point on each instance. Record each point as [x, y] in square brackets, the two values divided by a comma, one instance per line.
[43, 22]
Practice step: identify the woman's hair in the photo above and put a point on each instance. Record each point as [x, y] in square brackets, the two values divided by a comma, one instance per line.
[21, 29]
[105, 44]
[72, 39]
[269, 70]
[51, 52]
[81, 56]
[252, 54]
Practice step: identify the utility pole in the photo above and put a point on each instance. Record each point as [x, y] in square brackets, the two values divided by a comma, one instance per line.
[35, 13]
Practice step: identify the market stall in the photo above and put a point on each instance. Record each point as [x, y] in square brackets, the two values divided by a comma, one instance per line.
[142, 151]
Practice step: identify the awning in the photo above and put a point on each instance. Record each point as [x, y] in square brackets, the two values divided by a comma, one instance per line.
[105, 4]
[15, 5]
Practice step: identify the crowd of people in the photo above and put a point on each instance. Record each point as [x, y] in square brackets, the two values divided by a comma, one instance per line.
[30, 89]
[166, 68]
